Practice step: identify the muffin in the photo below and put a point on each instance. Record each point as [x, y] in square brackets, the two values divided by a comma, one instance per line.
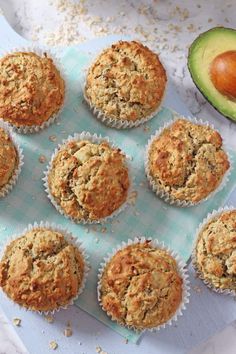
[41, 270]
[31, 89]
[215, 251]
[186, 162]
[89, 181]
[140, 286]
[126, 83]
[9, 160]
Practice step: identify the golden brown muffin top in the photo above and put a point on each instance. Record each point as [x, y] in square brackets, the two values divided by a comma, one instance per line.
[8, 158]
[41, 270]
[88, 180]
[141, 286]
[216, 251]
[31, 88]
[187, 160]
[126, 82]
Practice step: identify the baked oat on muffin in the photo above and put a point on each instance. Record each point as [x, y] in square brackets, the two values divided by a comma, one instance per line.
[140, 286]
[89, 181]
[31, 89]
[187, 161]
[215, 251]
[9, 158]
[126, 82]
[41, 270]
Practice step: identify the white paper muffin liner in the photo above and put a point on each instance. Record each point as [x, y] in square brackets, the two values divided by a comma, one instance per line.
[211, 216]
[70, 239]
[112, 122]
[12, 181]
[165, 195]
[24, 129]
[181, 265]
[94, 138]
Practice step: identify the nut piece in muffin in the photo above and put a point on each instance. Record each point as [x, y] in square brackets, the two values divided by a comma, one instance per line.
[88, 180]
[31, 89]
[215, 251]
[126, 82]
[140, 286]
[187, 161]
[9, 159]
[41, 270]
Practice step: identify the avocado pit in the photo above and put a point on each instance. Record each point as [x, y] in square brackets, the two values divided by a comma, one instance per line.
[223, 74]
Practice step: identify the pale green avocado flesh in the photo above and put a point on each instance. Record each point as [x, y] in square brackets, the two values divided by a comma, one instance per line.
[202, 52]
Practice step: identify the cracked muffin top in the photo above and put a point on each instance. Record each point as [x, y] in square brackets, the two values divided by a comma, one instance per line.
[141, 286]
[8, 158]
[187, 161]
[126, 82]
[88, 180]
[41, 270]
[31, 88]
[215, 252]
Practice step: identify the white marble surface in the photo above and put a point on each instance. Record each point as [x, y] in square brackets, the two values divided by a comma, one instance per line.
[221, 343]
[9, 341]
[167, 27]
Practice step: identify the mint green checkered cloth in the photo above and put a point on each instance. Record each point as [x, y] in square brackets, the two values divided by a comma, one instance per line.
[150, 216]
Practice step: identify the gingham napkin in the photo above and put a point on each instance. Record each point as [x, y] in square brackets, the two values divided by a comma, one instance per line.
[149, 216]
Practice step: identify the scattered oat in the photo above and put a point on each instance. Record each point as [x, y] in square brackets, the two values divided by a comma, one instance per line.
[100, 351]
[103, 230]
[49, 318]
[96, 240]
[42, 159]
[68, 332]
[53, 345]
[126, 341]
[17, 322]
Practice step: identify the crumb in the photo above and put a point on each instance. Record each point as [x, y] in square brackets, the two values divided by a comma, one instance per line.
[53, 345]
[42, 159]
[52, 138]
[49, 318]
[197, 289]
[17, 322]
[133, 197]
[146, 129]
[104, 229]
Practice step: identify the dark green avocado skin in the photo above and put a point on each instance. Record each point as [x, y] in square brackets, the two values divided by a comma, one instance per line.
[212, 103]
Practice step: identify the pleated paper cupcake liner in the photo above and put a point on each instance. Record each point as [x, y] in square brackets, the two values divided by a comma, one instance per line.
[94, 138]
[12, 181]
[109, 121]
[168, 198]
[211, 216]
[181, 265]
[31, 129]
[70, 239]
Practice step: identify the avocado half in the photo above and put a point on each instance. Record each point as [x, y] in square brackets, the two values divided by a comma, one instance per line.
[202, 52]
